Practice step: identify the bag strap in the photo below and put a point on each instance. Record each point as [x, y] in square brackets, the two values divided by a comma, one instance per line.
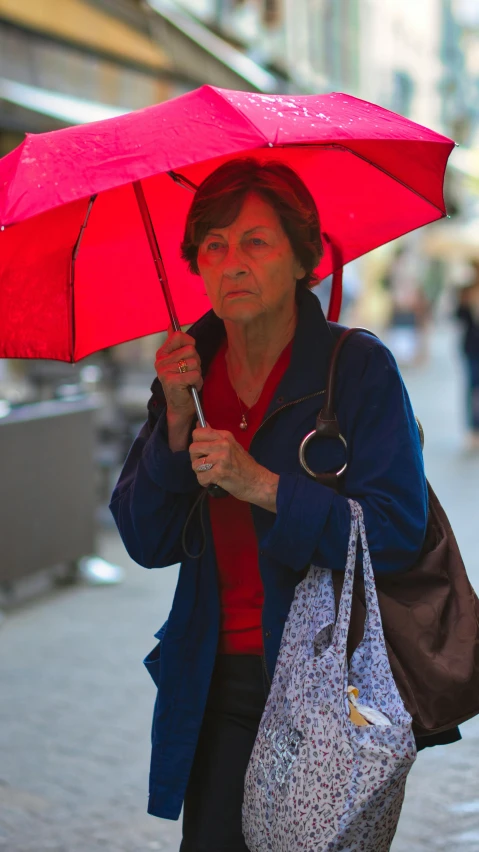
[327, 425]
[327, 414]
[373, 631]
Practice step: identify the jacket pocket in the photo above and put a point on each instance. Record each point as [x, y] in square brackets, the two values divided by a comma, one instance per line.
[152, 661]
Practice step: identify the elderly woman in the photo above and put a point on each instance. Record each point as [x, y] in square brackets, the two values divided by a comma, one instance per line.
[260, 358]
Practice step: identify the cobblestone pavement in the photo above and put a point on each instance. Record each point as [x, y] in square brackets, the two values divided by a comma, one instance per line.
[441, 810]
[75, 705]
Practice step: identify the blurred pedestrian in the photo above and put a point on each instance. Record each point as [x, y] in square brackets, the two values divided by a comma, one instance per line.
[409, 308]
[352, 285]
[261, 359]
[468, 314]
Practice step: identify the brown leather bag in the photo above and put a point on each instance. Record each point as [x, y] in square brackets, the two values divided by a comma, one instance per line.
[430, 613]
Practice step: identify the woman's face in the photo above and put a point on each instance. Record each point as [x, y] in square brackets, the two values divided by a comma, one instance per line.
[249, 268]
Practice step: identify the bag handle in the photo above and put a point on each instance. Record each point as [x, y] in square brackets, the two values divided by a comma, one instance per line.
[341, 628]
[373, 631]
[327, 425]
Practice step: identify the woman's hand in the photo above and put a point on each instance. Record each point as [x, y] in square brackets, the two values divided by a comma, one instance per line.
[176, 385]
[233, 468]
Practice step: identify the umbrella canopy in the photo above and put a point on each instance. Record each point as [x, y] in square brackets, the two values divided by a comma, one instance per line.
[76, 272]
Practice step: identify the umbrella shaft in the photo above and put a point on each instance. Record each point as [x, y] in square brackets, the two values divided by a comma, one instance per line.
[160, 271]
[199, 410]
[155, 251]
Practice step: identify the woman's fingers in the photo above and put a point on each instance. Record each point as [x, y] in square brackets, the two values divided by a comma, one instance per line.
[211, 459]
[179, 351]
[169, 360]
[206, 448]
[175, 382]
[206, 433]
[176, 340]
[214, 474]
[172, 367]
[203, 451]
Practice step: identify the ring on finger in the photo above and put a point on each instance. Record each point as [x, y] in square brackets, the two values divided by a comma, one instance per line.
[182, 366]
[203, 467]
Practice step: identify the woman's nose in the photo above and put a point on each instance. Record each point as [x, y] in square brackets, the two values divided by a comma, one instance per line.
[234, 265]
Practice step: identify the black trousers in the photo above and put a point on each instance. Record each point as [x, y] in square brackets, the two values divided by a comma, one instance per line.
[212, 808]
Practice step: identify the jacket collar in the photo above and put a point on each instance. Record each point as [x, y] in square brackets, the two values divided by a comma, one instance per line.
[310, 356]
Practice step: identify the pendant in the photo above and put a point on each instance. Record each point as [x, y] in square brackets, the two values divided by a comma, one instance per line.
[244, 424]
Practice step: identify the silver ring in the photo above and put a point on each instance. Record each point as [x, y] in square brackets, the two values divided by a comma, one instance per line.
[302, 454]
[203, 467]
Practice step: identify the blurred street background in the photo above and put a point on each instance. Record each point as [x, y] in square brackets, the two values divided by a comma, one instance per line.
[77, 616]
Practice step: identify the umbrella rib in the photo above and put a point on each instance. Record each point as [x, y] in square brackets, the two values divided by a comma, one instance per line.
[75, 252]
[240, 112]
[398, 180]
[335, 146]
[181, 180]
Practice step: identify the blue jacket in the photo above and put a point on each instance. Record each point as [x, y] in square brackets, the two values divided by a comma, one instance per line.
[157, 488]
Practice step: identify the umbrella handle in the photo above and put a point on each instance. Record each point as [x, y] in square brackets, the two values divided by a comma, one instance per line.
[213, 490]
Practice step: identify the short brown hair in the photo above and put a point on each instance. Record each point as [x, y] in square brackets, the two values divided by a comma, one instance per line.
[220, 197]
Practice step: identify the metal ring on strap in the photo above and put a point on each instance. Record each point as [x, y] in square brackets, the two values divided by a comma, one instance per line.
[302, 454]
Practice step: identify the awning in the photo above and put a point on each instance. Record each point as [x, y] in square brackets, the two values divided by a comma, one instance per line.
[79, 23]
[61, 107]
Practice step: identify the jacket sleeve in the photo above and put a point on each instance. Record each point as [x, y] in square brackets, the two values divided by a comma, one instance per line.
[385, 475]
[152, 498]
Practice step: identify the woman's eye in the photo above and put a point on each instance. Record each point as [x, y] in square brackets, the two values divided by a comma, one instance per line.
[213, 246]
[257, 241]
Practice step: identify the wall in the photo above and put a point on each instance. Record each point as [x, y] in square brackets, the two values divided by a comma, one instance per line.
[401, 65]
[322, 44]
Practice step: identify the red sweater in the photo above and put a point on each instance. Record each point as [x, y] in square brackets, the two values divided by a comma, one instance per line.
[240, 586]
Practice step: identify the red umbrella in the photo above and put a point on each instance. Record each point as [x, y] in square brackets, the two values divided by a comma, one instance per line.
[76, 270]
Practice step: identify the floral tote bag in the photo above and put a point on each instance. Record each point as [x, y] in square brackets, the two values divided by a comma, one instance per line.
[318, 781]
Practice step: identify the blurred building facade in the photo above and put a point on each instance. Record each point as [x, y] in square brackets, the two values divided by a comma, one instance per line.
[70, 61]
[65, 62]
[401, 64]
[418, 59]
[313, 45]
[323, 44]
[255, 27]
[461, 58]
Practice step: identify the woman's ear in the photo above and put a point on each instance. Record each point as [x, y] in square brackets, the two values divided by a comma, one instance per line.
[299, 271]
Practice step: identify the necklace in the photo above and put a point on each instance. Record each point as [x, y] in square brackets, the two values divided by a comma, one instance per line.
[244, 423]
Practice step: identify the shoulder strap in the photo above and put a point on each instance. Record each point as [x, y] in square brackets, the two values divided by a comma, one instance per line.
[327, 412]
[327, 425]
